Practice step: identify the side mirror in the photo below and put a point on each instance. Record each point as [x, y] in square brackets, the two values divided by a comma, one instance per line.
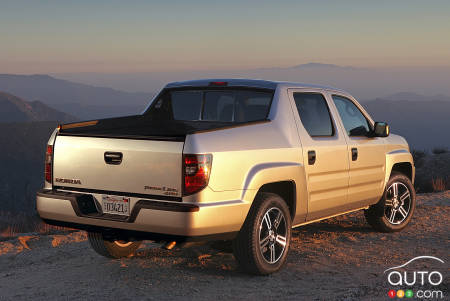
[380, 129]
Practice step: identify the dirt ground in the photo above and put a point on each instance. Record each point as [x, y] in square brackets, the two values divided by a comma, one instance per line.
[338, 259]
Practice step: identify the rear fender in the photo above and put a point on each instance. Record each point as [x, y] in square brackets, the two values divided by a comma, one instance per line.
[266, 173]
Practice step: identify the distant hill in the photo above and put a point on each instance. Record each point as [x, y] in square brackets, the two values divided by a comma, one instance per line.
[15, 109]
[408, 96]
[22, 146]
[83, 101]
[425, 124]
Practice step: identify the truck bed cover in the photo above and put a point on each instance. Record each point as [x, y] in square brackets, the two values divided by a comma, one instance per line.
[142, 127]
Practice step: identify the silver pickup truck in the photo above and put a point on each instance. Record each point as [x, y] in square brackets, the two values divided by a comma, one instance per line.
[230, 159]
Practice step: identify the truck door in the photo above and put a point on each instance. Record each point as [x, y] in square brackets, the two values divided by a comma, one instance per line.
[325, 153]
[366, 154]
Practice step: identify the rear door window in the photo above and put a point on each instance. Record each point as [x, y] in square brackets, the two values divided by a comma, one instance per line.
[314, 114]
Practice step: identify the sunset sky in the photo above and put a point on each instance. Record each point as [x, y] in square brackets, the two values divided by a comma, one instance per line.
[143, 36]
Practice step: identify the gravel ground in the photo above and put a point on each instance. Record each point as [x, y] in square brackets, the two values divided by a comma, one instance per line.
[337, 259]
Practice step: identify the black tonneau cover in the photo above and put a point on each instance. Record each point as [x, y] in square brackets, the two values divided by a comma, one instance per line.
[142, 127]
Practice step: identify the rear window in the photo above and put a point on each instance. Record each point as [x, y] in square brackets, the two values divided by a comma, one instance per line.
[229, 105]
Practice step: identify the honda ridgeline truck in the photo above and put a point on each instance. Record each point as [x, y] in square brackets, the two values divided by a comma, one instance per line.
[229, 159]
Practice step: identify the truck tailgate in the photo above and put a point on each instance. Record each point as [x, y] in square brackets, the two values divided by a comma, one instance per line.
[146, 166]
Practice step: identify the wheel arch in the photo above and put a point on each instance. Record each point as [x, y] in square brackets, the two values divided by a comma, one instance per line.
[399, 161]
[403, 168]
[286, 190]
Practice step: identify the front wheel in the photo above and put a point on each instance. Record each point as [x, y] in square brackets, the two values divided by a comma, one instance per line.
[112, 248]
[262, 244]
[395, 209]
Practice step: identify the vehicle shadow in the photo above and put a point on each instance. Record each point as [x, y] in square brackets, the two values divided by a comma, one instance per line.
[203, 259]
[216, 258]
[321, 227]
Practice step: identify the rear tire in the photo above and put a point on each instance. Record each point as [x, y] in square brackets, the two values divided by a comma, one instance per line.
[262, 244]
[395, 209]
[112, 248]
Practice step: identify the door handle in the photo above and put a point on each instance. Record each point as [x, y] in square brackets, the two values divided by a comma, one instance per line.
[354, 154]
[114, 158]
[311, 157]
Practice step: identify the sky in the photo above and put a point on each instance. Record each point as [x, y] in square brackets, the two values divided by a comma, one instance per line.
[148, 36]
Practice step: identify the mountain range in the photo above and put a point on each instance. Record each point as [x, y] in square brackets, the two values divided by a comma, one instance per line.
[15, 109]
[22, 146]
[424, 123]
[361, 82]
[408, 96]
[423, 120]
[81, 100]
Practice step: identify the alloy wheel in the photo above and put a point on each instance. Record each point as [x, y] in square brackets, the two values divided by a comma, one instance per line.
[398, 203]
[272, 235]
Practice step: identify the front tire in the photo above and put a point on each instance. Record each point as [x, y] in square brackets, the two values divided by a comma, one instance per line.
[112, 248]
[395, 209]
[262, 244]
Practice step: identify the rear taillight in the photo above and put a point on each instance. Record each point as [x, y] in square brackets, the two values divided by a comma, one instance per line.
[48, 163]
[197, 169]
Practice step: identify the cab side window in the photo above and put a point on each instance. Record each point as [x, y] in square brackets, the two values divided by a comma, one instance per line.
[314, 114]
[354, 121]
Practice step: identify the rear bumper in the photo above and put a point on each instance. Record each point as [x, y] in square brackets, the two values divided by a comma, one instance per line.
[149, 219]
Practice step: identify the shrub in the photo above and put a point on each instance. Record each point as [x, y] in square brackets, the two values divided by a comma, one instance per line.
[438, 184]
[418, 157]
[440, 150]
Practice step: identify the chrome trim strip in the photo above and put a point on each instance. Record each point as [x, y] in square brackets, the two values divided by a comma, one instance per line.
[330, 216]
[222, 203]
[398, 151]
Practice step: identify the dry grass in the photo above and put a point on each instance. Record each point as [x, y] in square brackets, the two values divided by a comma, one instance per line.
[438, 185]
[432, 171]
[11, 225]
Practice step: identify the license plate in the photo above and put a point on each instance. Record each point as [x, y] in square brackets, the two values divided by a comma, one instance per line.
[115, 205]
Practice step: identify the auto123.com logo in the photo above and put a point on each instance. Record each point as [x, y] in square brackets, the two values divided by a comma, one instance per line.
[420, 283]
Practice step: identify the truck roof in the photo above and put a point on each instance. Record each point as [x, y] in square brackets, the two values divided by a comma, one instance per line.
[240, 82]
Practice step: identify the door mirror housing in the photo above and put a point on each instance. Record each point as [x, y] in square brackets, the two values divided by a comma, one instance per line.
[380, 129]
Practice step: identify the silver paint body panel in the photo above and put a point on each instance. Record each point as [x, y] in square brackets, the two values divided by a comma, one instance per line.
[148, 167]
